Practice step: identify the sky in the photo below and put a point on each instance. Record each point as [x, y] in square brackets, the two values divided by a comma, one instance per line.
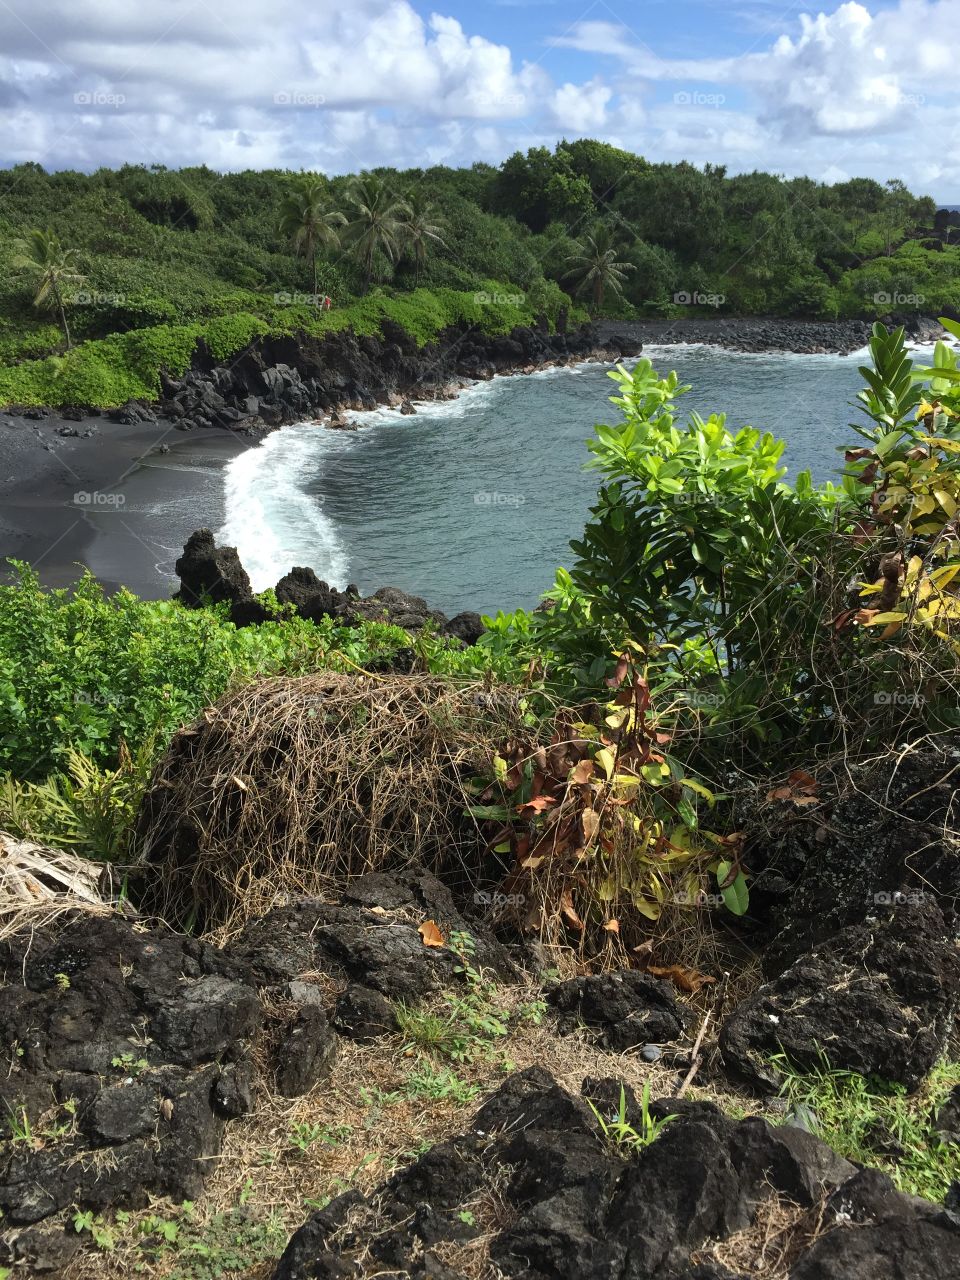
[853, 89]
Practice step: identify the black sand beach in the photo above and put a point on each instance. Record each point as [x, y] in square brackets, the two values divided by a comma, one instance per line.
[121, 502]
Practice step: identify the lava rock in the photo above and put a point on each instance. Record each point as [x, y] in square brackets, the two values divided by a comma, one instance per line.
[576, 1210]
[878, 1000]
[886, 840]
[362, 1014]
[369, 939]
[624, 1010]
[135, 1027]
[209, 573]
[310, 596]
[467, 627]
[947, 1119]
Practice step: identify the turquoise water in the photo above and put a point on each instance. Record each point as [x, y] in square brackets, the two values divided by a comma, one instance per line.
[472, 503]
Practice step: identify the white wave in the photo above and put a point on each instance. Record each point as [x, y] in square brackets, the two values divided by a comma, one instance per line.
[269, 518]
[676, 349]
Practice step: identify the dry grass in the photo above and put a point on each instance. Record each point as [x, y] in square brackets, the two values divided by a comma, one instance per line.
[38, 884]
[768, 1248]
[290, 785]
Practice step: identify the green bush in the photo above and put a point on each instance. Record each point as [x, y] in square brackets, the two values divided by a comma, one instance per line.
[81, 671]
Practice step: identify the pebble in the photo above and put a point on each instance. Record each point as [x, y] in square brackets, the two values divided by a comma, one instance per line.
[651, 1053]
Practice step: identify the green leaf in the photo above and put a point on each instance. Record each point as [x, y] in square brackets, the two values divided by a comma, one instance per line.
[736, 896]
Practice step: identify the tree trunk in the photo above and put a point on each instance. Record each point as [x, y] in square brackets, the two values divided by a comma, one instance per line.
[63, 314]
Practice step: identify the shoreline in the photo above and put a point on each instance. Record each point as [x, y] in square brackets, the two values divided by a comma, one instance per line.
[172, 476]
[765, 335]
[59, 474]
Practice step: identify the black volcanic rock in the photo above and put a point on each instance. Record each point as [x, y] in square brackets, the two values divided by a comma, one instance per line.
[878, 998]
[571, 1208]
[210, 574]
[624, 1010]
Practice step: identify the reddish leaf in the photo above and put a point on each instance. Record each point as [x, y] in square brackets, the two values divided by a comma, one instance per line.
[622, 667]
[802, 781]
[538, 805]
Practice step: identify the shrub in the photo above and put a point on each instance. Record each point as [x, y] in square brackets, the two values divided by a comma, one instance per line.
[80, 671]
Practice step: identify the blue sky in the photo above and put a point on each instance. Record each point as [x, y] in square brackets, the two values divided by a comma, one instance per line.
[862, 87]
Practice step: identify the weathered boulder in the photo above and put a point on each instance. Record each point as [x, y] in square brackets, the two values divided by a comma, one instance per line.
[876, 1233]
[367, 942]
[881, 833]
[117, 1038]
[876, 998]
[209, 573]
[467, 627]
[310, 596]
[625, 1009]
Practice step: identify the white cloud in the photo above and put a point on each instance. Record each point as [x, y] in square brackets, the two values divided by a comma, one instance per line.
[318, 83]
[581, 108]
[855, 91]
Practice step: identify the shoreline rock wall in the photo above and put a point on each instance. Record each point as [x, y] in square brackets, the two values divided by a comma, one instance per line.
[212, 574]
[761, 334]
[279, 380]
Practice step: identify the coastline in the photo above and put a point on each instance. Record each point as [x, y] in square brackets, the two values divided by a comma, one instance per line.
[61, 509]
[60, 473]
[766, 335]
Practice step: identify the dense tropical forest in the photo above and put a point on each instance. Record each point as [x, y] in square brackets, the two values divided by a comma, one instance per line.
[175, 255]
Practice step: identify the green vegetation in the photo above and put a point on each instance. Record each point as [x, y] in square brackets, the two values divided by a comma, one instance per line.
[596, 269]
[875, 1123]
[624, 1136]
[737, 586]
[471, 1021]
[169, 258]
[54, 268]
[80, 672]
[185, 1245]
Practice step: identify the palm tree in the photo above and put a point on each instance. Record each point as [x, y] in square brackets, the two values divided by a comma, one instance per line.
[53, 267]
[595, 266]
[377, 224]
[308, 221]
[418, 230]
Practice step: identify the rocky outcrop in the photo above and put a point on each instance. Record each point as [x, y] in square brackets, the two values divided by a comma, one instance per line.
[571, 1208]
[289, 379]
[762, 333]
[367, 944]
[873, 836]
[878, 998]
[212, 574]
[129, 1048]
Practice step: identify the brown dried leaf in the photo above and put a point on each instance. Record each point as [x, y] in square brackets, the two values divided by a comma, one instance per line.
[569, 910]
[591, 823]
[582, 773]
[431, 935]
[688, 980]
